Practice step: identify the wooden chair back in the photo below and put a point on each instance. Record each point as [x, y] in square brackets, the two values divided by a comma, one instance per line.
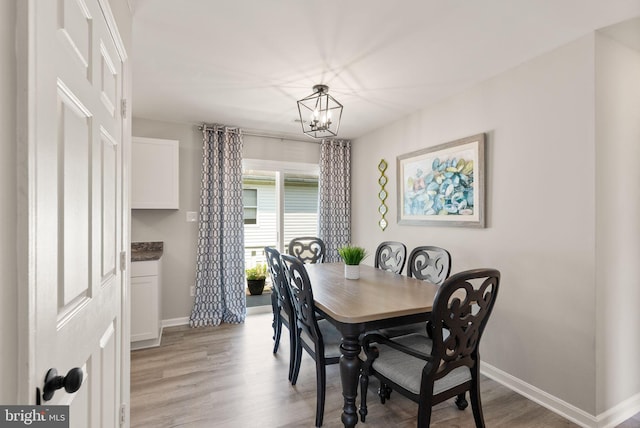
[278, 280]
[301, 293]
[308, 249]
[391, 256]
[429, 263]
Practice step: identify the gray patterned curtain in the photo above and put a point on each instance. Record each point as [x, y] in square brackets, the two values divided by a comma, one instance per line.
[220, 290]
[335, 196]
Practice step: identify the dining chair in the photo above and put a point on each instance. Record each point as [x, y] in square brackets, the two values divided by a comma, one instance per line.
[317, 337]
[391, 256]
[308, 249]
[427, 263]
[432, 370]
[282, 306]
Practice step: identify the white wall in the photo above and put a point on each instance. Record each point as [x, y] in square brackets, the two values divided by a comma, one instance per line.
[277, 149]
[618, 223]
[540, 210]
[180, 237]
[8, 218]
[170, 226]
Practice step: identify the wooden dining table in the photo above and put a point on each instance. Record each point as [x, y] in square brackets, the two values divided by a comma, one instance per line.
[378, 299]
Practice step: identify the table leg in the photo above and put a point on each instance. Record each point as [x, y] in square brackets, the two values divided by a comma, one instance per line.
[349, 371]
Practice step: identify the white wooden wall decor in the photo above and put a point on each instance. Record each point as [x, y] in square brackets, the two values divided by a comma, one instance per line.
[382, 209]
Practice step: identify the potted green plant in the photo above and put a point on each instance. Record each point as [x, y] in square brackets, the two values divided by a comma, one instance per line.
[352, 256]
[255, 278]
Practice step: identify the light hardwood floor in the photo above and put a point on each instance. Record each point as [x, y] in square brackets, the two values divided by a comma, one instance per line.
[226, 376]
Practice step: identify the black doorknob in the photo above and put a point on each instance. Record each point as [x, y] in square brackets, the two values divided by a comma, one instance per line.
[52, 382]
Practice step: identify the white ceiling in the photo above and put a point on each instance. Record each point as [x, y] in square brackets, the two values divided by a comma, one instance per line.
[245, 63]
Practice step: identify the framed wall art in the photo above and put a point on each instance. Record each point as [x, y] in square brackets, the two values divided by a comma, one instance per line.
[443, 185]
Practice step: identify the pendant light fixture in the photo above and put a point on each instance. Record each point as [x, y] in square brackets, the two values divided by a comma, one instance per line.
[320, 113]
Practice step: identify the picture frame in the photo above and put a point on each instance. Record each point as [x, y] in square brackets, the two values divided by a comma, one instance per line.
[443, 185]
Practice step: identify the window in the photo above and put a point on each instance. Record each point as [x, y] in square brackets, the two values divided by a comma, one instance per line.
[285, 196]
[250, 204]
[300, 206]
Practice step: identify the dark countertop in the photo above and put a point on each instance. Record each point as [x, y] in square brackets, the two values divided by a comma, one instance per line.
[146, 251]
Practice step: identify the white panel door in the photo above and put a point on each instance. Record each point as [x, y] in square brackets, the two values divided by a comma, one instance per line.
[75, 205]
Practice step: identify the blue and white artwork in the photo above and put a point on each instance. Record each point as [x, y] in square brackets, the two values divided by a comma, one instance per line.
[440, 184]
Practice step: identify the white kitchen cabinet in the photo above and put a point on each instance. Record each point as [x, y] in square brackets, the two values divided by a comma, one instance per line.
[154, 173]
[146, 327]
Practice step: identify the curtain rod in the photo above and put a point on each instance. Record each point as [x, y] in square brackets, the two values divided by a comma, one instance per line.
[216, 125]
[257, 134]
[275, 137]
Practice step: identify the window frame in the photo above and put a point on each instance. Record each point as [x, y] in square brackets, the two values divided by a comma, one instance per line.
[256, 207]
[280, 168]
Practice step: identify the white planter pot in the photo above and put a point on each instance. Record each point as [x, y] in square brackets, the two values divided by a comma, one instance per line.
[352, 271]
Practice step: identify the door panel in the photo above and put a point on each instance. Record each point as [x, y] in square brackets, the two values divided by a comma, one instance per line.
[110, 172]
[79, 412]
[144, 324]
[108, 365]
[76, 206]
[108, 79]
[74, 24]
[74, 162]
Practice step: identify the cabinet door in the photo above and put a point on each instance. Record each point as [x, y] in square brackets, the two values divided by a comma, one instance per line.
[144, 308]
[154, 174]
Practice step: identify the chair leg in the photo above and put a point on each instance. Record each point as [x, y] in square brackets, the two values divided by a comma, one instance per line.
[430, 329]
[364, 385]
[276, 314]
[292, 352]
[296, 366]
[321, 380]
[461, 402]
[384, 392]
[424, 414]
[476, 403]
[277, 331]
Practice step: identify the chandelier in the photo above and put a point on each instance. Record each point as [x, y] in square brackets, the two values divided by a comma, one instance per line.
[320, 113]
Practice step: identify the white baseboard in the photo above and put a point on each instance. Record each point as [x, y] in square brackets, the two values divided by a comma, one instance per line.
[619, 413]
[144, 344]
[174, 322]
[556, 405]
[609, 419]
[150, 343]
